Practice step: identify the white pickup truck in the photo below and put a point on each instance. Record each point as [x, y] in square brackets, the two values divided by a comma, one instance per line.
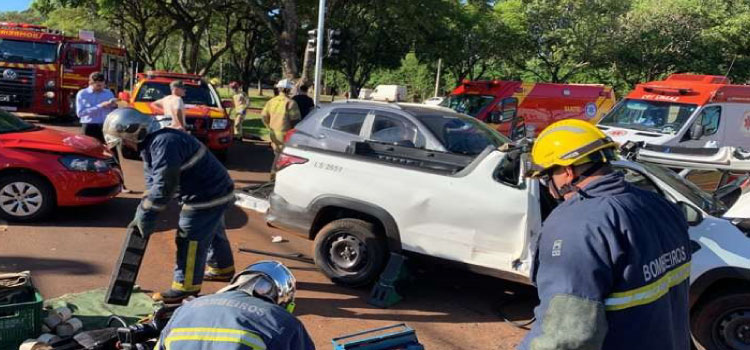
[481, 213]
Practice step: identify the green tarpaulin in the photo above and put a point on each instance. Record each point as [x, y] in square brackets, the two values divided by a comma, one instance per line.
[91, 309]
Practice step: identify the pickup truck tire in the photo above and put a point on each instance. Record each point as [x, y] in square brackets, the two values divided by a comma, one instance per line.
[350, 252]
[723, 322]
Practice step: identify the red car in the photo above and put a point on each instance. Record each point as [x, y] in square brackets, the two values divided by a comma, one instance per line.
[43, 168]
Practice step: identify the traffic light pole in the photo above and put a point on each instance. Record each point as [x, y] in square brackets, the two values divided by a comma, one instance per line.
[319, 50]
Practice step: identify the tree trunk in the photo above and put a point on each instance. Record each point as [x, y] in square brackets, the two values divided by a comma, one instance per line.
[308, 68]
[287, 45]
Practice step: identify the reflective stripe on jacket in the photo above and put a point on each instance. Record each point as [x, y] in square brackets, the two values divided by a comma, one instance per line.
[233, 321]
[612, 269]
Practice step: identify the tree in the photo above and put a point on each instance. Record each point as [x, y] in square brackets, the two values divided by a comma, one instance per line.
[282, 19]
[376, 34]
[248, 51]
[140, 25]
[555, 40]
[195, 19]
[28, 16]
[466, 38]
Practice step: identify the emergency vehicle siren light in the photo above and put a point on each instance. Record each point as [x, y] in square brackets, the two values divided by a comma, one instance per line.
[667, 90]
[26, 26]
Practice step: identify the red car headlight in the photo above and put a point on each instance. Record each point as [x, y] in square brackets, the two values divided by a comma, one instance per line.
[81, 163]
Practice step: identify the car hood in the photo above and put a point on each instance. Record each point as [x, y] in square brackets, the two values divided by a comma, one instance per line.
[50, 140]
[197, 111]
[622, 135]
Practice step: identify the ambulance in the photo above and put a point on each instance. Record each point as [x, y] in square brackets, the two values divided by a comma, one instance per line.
[520, 108]
[685, 110]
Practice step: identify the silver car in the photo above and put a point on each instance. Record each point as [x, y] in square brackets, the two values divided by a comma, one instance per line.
[335, 126]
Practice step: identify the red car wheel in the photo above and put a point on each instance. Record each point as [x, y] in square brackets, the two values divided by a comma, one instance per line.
[25, 197]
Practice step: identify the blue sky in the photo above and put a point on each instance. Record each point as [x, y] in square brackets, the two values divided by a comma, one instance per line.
[14, 5]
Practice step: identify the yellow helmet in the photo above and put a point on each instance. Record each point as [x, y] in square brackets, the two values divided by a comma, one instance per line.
[568, 142]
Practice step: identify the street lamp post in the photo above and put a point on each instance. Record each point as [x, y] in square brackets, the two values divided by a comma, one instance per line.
[319, 49]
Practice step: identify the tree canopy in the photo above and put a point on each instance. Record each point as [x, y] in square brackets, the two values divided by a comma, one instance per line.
[615, 42]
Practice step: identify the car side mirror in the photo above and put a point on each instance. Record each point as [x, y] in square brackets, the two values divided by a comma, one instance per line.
[693, 216]
[696, 131]
[227, 104]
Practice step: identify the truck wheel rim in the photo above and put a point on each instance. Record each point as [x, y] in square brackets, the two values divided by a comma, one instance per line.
[347, 252]
[20, 199]
[734, 329]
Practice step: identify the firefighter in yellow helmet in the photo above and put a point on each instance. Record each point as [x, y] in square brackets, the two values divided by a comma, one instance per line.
[612, 261]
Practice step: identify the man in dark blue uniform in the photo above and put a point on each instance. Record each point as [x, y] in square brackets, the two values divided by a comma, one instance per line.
[253, 312]
[173, 159]
[612, 262]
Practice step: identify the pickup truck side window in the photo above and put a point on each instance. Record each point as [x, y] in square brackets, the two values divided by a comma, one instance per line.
[349, 122]
[393, 130]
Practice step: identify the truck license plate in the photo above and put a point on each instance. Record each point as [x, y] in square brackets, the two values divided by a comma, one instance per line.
[9, 108]
[4, 98]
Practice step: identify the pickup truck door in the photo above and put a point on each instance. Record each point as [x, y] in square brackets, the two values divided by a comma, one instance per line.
[470, 218]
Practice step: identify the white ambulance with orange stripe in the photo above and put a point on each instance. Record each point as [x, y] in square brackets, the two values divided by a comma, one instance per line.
[41, 70]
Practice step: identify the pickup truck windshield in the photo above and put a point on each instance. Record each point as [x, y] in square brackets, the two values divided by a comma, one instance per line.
[11, 123]
[462, 135]
[697, 196]
[27, 51]
[467, 104]
[654, 116]
[194, 94]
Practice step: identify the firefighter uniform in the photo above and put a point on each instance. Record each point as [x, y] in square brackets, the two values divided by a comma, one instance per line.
[241, 104]
[612, 266]
[171, 158]
[233, 321]
[279, 114]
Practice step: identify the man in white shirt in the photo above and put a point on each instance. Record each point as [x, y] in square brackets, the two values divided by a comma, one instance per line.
[172, 106]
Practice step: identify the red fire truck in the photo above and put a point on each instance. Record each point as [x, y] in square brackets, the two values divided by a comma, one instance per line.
[514, 106]
[41, 70]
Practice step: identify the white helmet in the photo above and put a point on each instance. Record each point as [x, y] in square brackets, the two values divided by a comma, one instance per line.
[285, 84]
[269, 280]
[128, 127]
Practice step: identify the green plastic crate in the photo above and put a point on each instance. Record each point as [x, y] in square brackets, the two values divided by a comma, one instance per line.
[20, 321]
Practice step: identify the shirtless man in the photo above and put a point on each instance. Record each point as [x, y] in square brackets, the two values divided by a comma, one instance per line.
[172, 106]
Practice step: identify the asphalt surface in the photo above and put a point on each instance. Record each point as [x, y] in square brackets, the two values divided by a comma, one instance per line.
[75, 250]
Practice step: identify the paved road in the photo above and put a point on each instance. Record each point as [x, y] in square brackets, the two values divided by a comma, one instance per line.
[76, 249]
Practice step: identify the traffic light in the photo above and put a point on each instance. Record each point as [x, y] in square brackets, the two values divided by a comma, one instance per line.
[334, 42]
[312, 39]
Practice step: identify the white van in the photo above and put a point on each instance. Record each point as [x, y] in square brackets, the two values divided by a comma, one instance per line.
[696, 111]
[389, 93]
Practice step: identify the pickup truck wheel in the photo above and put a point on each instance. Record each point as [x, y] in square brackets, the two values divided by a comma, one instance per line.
[349, 252]
[723, 322]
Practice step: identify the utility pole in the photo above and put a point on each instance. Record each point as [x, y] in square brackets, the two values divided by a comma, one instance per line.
[319, 49]
[437, 79]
